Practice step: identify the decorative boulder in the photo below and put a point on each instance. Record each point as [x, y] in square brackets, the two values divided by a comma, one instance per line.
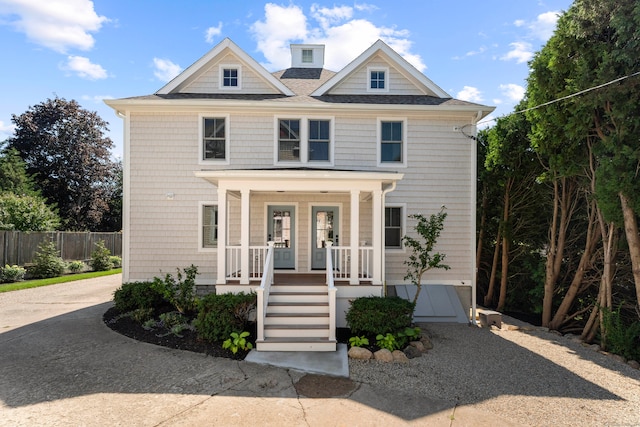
[419, 345]
[411, 352]
[360, 353]
[399, 356]
[383, 355]
[426, 342]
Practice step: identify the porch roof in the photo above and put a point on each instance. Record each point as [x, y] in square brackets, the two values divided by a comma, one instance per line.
[300, 179]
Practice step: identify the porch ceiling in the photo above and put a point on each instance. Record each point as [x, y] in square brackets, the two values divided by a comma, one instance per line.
[300, 180]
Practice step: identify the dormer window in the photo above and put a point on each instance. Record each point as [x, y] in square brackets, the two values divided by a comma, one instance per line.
[307, 56]
[230, 77]
[378, 80]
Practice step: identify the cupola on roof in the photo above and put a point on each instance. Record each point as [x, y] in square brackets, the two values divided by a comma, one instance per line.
[307, 55]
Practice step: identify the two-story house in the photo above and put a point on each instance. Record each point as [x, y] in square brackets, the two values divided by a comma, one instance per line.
[267, 181]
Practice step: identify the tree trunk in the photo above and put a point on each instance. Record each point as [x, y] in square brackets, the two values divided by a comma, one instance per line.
[633, 240]
[488, 298]
[504, 273]
[593, 232]
[549, 277]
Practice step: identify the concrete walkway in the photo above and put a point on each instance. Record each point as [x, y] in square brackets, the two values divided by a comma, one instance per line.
[60, 365]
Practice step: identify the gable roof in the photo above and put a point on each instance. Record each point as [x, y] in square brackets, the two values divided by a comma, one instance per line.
[428, 87]
[193, 70]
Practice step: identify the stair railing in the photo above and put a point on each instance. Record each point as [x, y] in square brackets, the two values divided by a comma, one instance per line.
[263, 291]
[331, 292]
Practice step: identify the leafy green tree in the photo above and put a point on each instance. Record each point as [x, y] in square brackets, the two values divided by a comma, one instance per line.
[422, 257]
[65, 150]
[13, 174]
[26, 213]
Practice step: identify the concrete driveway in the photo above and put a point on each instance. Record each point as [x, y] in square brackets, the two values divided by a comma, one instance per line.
[60, 365]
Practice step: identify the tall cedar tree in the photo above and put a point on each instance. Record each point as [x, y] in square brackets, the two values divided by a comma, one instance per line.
[64, 148]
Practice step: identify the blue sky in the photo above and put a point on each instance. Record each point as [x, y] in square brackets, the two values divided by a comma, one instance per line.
[92, 50]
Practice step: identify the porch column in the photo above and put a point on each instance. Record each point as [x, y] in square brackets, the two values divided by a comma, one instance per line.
[355, 238]
[222, 236]
[378, 240]
[244, 236]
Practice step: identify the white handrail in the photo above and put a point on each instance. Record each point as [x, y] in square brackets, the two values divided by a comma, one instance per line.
[263, 291]
[331, 292]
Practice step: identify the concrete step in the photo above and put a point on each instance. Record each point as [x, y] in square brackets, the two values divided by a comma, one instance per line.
[296, 319]
[296, 344]
[297, 307]
[296, 331]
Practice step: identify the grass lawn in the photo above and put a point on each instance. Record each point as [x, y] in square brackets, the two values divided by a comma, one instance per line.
[55, 280]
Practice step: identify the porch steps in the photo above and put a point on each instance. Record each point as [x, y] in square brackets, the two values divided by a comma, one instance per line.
[297, 318]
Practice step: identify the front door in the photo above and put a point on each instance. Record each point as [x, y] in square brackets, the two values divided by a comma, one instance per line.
[281, 229]
[324, 229]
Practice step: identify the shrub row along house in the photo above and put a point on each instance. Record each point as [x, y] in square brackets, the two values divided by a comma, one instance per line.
[244, 173]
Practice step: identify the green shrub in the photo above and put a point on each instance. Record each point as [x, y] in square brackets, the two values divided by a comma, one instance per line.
[116, 261]
[12, 273]
[220, 315]
[371, 316]
[387, 341]
[134, 295]
[621, 337]
[47, 262]
[358, 341]
[238, 341]
[100, 258]
[75, 266]
[179, 292]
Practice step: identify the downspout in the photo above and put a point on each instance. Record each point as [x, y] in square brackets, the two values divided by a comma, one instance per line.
[474, 191]
[383, 251]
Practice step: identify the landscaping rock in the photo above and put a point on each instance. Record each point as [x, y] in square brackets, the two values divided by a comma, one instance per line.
[595, 347]
[634, 364]
[419, 345]
[360, 353]
[618, 358]
[412, 352]
[383, 355]
[399, 356]
[426, 342]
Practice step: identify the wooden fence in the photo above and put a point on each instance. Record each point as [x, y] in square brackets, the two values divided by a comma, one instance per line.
[19, 248]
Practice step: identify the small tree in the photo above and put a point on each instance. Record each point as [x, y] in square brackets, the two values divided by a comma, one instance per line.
[422, 258]
[100, 257]
[47, 261]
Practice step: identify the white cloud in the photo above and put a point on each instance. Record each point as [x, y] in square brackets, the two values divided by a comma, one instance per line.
[521, 52]
[84, 68]
[470, 93]
[343, 34]
[213, 32]
[165, 70]
[59, 25]
[544, 26]
[96, 99]
[519, 22]
[512, 91]
[6, 130]
[497, 101]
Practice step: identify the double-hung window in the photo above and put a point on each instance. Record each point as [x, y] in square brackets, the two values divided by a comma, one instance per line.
[307, 56]
[289, 140]
[392, 146]
[214, 138]
[319, 140]
[304, 140]
[393, 221]
[208, 226]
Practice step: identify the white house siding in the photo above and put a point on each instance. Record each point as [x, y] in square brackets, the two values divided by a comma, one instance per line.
[357, 83]
[209, 80]
[164, 233]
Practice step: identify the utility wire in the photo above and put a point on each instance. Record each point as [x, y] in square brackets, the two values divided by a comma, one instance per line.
[619, 79]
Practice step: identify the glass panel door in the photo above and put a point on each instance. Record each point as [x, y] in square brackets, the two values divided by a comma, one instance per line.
[325, 229]
[282, 232]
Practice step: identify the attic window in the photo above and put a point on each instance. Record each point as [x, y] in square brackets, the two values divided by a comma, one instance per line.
[230, 77]
[307, 56]
[378, 80]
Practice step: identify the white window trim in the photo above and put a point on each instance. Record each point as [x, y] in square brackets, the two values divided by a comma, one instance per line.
[405, 131]
[302, 56]
[201, 248]
[304, 141]
[221, 69]
[403, 231]
[227, 145]
[386, 79]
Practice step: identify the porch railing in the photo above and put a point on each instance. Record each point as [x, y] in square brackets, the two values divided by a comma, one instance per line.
[263, 290]
[342, 262]
[331, 294]
[257, 258]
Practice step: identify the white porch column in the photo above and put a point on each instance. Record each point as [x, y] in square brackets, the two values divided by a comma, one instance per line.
[378, 240]
[244, 235]
[355, 238]
[222, 236]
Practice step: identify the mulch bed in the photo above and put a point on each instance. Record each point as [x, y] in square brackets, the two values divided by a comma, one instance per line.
[188, 339]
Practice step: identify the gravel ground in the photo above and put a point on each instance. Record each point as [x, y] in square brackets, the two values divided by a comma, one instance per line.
[524, 374]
